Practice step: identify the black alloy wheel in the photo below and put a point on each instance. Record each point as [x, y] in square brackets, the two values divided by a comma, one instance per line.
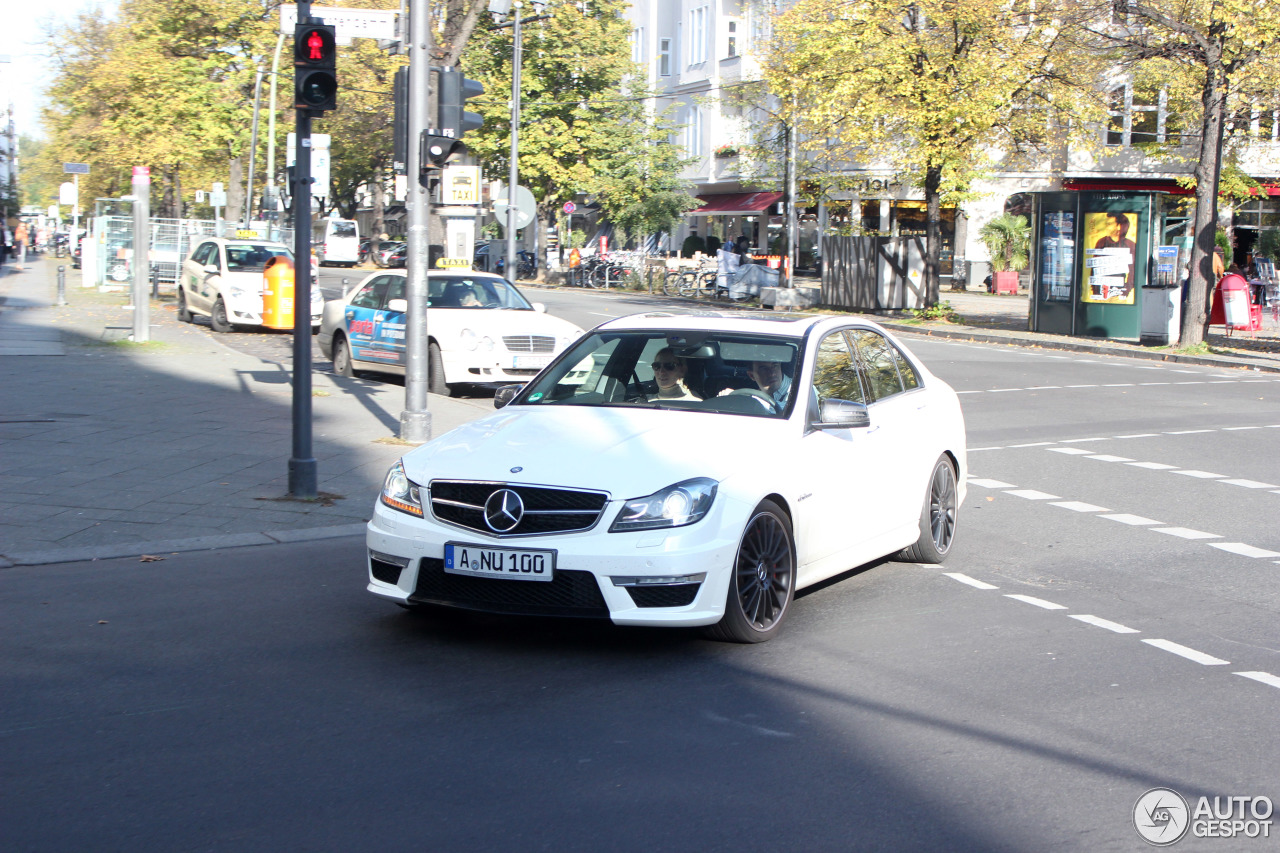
[764, 579]
[938, 517]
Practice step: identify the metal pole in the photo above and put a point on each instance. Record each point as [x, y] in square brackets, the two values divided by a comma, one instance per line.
[793, 216]
[271, 130]
[415, 420]
[62, 284]
[253, 147]
[514, 176]
[303, 474]
[141, 253]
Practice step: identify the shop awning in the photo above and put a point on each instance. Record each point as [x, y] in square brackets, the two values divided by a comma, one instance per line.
[1141, 185]
[734, 204]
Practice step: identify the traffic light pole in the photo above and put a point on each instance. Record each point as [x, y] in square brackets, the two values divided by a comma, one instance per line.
[303, 473]
[415, 420]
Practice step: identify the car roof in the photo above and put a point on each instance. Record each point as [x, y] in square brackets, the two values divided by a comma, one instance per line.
[793, 325]
[439, 273]
[256, 240]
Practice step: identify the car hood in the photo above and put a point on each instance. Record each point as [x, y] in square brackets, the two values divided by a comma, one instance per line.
[626, 452]
[497, 323]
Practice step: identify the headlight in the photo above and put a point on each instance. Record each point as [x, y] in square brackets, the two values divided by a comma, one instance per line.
[472, 341]
[399, 492]
[675, 506]
[237, 290]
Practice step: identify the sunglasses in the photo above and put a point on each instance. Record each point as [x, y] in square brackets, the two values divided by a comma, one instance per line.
[665, 365]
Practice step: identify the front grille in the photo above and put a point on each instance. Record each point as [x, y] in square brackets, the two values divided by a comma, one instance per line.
[529, 343]
[676, 595]
[546, 510]
[569, 593]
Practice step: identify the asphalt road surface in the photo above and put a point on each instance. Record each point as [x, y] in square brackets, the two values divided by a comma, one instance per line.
[1106, 624]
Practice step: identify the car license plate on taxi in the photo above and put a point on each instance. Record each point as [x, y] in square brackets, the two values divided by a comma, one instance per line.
[530, 361]
[517, 564]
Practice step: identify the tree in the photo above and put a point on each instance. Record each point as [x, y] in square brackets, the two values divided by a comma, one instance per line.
[1008, 238]
[1207, 54]
[937, 90]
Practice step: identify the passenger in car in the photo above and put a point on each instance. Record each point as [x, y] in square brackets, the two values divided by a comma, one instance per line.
[669, 370]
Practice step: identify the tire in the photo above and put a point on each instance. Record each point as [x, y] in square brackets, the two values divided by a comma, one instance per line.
[707, 284]
[671, 284]
[435, 373]
[218, 318]
[937, 517]
[184, 313]
[763, 582]
[688, 285]
[342, 358]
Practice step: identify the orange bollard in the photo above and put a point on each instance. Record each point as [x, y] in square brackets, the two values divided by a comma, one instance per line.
[277, 293]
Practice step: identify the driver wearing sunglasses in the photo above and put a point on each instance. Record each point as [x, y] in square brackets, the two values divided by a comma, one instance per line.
[669, 371]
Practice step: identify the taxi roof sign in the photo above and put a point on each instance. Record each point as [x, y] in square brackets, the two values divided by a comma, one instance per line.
[453, 263]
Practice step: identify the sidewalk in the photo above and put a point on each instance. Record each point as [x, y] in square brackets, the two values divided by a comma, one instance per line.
[114, 449]
[109, 448]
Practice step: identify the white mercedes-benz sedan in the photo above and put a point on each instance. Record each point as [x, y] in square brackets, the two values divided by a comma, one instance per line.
[680, 471]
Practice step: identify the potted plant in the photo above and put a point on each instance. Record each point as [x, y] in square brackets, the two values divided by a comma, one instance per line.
[726, 151]
[1008, 240]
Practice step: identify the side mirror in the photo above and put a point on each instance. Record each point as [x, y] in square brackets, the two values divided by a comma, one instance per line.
[212, 269]
[539, 307]
[505, 394]
[397, 306]
[842, 414]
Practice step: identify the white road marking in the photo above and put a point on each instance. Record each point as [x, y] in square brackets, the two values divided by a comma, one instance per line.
[1080, 506]
[1082, 386]
[1156, 383]
[1249, 484]
[1119, 385]
[1033, 495]
[1243, 549]
[1103, 457]
[1074, 451]
[989, 484]
[1140, 435]
[1177, 370]
[1105, 623]
[1154, 466]
[1126, 518]
[976, 584]
[1188, 431]
[1189, 654]
[1001, 390]
[1186, 533]
[1264, 677]
[1032, 444]
[1038, 602]
[1203, 475]
[1042, 387]
[1236, 429]
[1083, 440]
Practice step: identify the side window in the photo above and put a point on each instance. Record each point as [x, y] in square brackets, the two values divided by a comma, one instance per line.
[879, 361]
[835, 373]
[395, 289]
[372, 294]
[906, 371]
[206, 254]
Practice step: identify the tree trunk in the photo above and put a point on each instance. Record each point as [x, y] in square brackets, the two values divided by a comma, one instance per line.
[235, 190]
[379, 210]
[1195, 323]
[933, 234]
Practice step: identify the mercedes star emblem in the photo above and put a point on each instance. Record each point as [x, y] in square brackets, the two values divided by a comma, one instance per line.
[503, 511]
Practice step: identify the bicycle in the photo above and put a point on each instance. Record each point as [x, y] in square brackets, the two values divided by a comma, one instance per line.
[694, 283]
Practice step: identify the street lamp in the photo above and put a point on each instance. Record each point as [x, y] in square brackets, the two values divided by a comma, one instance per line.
[501, 9]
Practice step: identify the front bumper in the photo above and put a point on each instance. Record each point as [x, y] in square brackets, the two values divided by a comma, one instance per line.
[247, 311]
[597, 573]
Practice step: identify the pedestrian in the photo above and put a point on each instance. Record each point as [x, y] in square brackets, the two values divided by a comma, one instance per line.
[20, 243]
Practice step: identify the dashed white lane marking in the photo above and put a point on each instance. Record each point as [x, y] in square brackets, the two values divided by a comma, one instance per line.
[1238, 429]
[1249, 484]
[1033, 495]
[1033, 444]
[1186, 533]
[976, 584]
[1084, 440]
[1119, 385]
[1126, 518]
[1038, 602]
[1264, 677]
[1140, 435]
[1106, 623]
[1072, 451]
[990, 484]
[1080, 506]
[1203, 475]
[1154, 466]
[1189, 654]
[1104, 457]
[1244, 550]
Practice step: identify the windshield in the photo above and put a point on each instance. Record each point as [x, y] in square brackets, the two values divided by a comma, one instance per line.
[253, 257]
[342, 228]
[703, 371]
[463, 291]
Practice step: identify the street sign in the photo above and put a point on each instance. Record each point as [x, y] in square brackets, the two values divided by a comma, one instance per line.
[350, 23]
[218, 196]
[319, 161]
[67, 193]
[461, 185]
[76, 168]
[453, 263]
[570, 207]
[526, 207]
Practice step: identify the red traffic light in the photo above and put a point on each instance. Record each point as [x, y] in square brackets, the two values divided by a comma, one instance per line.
[314, 45]
[315, 52]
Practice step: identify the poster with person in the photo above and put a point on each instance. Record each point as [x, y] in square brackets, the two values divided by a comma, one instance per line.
[1110, 251]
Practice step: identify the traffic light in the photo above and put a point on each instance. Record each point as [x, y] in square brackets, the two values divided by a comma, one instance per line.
[315, 63]
[439, 151]
[453, 92]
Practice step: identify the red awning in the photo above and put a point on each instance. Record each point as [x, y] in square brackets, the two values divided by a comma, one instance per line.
[1141, 185]
[734, 204]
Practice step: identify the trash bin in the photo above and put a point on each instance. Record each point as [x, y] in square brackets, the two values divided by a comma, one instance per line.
[277, 293]
[1161, 315]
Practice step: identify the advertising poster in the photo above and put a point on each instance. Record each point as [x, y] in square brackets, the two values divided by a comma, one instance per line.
[1110, 250]
[1057, 254]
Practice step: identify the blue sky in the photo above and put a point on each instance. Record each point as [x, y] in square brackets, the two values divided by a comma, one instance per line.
[21, 39]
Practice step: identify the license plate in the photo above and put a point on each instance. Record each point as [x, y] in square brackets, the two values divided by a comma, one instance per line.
[482, 561]
[528, 361]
